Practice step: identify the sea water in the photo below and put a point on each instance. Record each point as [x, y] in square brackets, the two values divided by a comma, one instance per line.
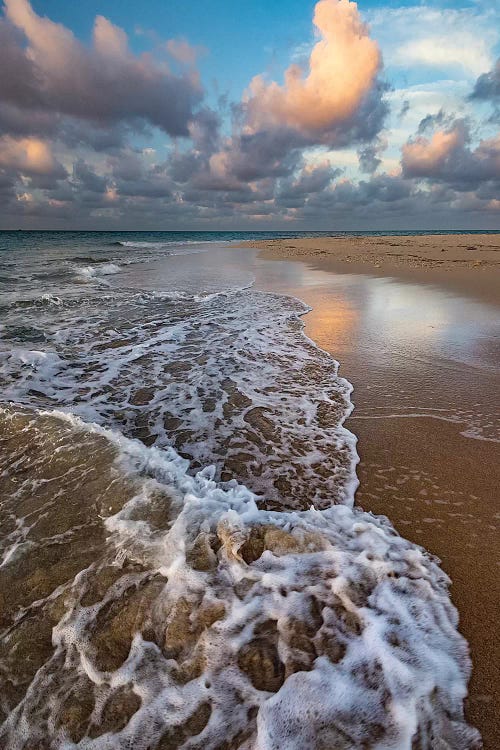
[181, 564]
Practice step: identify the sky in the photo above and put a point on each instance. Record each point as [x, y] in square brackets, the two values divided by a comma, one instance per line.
[213, 115]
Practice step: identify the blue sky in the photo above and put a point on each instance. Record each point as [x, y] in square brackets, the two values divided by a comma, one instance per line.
[243, 39]
[394, 119]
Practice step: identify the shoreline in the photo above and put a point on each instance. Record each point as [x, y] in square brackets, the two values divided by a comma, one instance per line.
[468, 264]
[436, 484]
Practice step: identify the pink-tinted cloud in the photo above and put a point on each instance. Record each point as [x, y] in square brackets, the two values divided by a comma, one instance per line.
[447, 158]
[489, 149]
[424, 156]
[105, 83]
[183, 52]
[343, 67]
[30, 156]
[336, 102]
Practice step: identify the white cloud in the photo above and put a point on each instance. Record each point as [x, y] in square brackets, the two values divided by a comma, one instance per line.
[442, 39]
[462, 50]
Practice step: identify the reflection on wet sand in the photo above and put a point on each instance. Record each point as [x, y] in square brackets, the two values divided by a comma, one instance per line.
[424, 366]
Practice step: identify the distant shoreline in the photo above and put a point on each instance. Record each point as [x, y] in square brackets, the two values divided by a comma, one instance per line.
[299, 233]
[468, 263]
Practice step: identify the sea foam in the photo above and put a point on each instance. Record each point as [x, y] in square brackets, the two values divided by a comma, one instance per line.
[257, 629]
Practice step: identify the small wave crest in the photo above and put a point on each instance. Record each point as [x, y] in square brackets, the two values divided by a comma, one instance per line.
[94, 272]
[155, 245]
[51, 299]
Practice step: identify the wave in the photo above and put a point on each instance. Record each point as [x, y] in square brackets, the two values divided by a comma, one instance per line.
[158, 245]
[94, 272]
[203, 619]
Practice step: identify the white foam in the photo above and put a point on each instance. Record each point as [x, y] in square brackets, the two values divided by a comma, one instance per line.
[232, 372]
[93, 273]
[349, 627]
[51, 299]
[159, 245]
[45, 363]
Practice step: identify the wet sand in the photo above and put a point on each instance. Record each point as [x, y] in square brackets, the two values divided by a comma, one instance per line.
[423, 360]
[468, 263]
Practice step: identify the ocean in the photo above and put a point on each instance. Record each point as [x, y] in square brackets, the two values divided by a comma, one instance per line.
[182, 564]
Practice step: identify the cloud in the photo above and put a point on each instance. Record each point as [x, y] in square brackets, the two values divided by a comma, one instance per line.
[253, 156]
[295, 191]
[183, 52]
[488, 84]
[272, 159]
[337, 101]
[369, 160]
[104, 84]
[447, 157]
[86, 180]
[447, 40]
[30, 156]
[424, 157]
[343, 68]
[462, 50]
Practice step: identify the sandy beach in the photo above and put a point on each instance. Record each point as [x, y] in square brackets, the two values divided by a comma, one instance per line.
[393, 310]
[468, 263]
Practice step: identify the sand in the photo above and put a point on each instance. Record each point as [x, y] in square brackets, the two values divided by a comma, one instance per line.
[437, 485]
[469, 263]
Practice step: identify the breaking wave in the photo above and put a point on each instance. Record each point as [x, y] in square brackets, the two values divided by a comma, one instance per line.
[95, 271]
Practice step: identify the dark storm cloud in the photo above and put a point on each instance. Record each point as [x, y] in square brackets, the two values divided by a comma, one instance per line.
[487, 88]
[184, 166]
[431, 122]
[20, 122]
[380, 189]
[128, 166]
[204, 130]
[19, 82]
[266, 153]
[151, 186]
[366, 122]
